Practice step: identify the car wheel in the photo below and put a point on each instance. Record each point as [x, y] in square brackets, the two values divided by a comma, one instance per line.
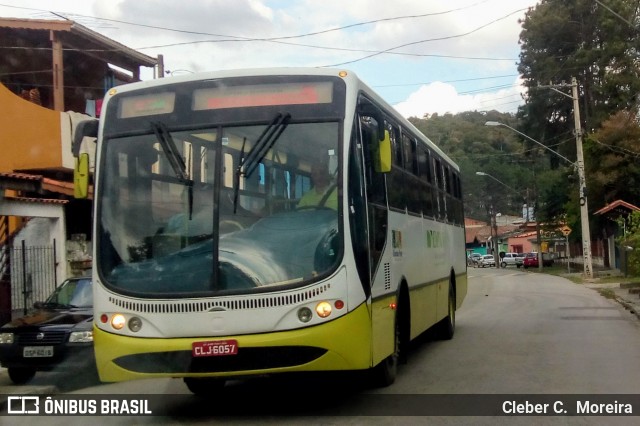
[503, 265]
[20, 376]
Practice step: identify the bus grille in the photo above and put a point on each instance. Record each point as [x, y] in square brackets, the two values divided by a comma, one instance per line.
[229, 304]
[247, 359]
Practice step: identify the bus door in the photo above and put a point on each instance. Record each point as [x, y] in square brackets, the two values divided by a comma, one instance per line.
[372, 224]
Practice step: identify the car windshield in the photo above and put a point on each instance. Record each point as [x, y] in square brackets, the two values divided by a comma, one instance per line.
[74, 293]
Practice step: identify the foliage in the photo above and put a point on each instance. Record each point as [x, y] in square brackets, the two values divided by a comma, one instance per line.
[631, 239]
[562, 39]
[616, 175]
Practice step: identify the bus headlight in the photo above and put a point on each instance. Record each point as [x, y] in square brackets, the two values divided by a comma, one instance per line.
[118, 321]
[305, 314]
[323, 309]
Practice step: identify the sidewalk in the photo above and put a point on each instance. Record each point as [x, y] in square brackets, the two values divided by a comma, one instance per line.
[625, 293]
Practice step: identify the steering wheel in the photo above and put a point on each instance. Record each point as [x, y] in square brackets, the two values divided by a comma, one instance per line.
[232, 224]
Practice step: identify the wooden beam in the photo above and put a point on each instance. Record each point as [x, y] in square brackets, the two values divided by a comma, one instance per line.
[58, 72]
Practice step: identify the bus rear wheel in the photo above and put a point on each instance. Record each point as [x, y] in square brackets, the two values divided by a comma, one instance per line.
[204, 385]
[447, 325]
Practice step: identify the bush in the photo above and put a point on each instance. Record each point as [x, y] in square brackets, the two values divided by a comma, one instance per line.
[630, 242]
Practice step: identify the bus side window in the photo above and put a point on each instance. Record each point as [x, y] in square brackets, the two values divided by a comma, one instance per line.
[376, 192]
[397, 191]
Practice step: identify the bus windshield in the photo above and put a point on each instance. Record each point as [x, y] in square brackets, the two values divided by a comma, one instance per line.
[219, 209]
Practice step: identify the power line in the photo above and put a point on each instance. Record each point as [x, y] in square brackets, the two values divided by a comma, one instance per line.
[446, 81]
[279, 40]
[425, 41]
[241, 38]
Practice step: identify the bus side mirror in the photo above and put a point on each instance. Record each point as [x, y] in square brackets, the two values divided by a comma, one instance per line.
[86, 128]
[383, 162]
[81, 176]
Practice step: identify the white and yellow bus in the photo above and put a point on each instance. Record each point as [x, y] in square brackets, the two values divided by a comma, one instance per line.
[206, 265]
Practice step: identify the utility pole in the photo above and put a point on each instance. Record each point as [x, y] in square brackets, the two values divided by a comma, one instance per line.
[579, 164]
[584, 209]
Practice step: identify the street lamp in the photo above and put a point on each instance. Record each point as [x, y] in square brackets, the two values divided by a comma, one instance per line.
[582, 188]
[497, 180]
[496, 123]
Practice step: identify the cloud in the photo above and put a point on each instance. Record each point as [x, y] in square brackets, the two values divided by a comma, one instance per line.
[443, 98]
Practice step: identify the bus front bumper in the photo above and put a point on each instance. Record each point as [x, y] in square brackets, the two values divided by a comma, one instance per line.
[341, 344]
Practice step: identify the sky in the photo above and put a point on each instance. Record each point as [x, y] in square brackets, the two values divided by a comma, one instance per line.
[421, 56]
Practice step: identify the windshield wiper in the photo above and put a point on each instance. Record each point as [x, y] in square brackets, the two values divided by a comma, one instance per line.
[263, 144]
[169, 147]
[175, 159]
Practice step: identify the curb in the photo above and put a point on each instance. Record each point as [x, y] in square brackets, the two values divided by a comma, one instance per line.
[632, 307]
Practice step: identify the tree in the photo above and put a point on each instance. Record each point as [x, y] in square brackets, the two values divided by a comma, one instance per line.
[616, 144]
[562, 39]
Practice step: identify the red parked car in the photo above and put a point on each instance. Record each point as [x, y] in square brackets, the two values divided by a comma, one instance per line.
[530, 260]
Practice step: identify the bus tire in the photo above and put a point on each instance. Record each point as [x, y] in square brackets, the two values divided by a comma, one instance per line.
[384, 374]
[204, 385]
[447, 325]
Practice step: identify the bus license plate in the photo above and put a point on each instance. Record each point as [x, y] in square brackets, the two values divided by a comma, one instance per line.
[215, 348]
[37, 351]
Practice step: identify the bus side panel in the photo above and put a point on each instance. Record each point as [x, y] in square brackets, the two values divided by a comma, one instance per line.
[346, 339]
[423, 315]
[382, 325]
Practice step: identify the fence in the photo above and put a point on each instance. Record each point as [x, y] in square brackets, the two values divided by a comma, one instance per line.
[33, 275]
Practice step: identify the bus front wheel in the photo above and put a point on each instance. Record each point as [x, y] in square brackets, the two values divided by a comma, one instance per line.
[384, 374]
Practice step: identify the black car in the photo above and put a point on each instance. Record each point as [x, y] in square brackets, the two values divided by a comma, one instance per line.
[58, 336]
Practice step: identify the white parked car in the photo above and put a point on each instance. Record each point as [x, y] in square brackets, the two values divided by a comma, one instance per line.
[509, 259]
[486, 260]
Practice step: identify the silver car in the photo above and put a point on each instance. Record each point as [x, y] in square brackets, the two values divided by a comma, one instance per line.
[487, 260]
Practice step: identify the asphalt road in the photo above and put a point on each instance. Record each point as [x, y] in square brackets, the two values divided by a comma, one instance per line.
[518, 332]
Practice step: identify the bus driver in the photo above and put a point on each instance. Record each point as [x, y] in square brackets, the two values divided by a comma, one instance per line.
[323, 193]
